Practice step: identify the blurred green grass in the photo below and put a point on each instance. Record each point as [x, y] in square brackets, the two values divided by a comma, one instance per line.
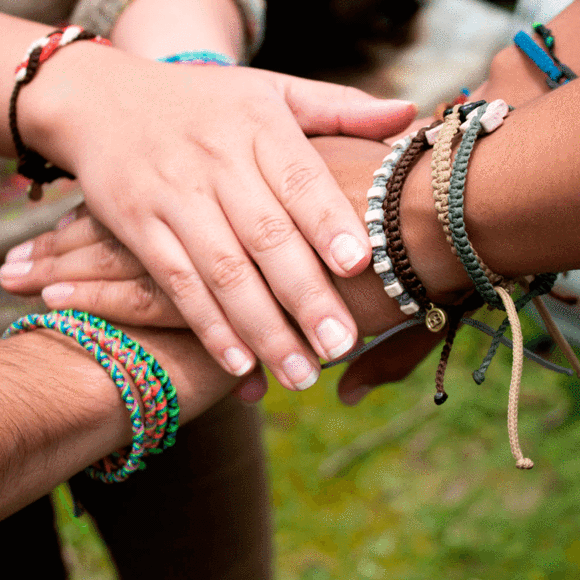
[440, 499]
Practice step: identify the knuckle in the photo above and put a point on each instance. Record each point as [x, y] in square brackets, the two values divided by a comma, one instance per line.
[270, 339]
[298, 181]
[108, 254]
[183, 284]
[143, 295]
[46, 244]
[324, 219]
[97, 297]
[228, 270]
[352, 93]
[307, 293]
[270, 232]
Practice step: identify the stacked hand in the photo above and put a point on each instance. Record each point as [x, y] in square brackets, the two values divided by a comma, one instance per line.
[205, 175]
[82, 265]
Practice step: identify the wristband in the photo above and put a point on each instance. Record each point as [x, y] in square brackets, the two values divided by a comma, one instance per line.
[110, 347]
[132, 461]
[200, 57]
[30, 163]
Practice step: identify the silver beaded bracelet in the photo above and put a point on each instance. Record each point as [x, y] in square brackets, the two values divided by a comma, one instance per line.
[374, 218]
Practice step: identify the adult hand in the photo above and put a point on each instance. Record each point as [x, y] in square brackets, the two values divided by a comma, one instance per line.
[205, 174]
[82, 266]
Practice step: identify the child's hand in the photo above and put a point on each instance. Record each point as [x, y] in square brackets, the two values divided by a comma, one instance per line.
[205, 174]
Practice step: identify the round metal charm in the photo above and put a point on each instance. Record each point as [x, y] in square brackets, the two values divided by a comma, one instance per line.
[435, 318]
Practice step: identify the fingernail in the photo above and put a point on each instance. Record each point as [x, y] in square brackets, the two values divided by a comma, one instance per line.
[14, 269]
[238, 362]
[57, 293]
[334, 338]
[347, 250]
[356, 396]
[20, 253]
[299, 371]
[66, 219]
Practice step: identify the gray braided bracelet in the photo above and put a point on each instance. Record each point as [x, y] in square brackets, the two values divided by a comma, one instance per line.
[456, 214]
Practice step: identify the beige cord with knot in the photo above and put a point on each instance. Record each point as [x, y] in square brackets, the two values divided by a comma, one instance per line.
[516, 379]
[441, 170]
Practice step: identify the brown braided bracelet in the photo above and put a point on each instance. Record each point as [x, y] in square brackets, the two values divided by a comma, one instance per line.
[435, 317]
[30, 163]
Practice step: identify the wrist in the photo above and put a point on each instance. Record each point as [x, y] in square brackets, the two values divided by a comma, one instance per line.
[147, 28]
[62, 97]
[429, 252]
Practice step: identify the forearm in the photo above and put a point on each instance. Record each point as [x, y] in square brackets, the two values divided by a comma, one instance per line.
[62, 412]
[151, 29]
[521, 199]
[521, 204]
[514, 78]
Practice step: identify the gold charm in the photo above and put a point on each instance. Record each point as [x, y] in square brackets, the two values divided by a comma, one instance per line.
[435, 318]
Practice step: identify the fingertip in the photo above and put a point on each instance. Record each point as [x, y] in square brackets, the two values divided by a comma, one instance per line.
[238, 363]
[251, 389]
[55, 296]
[352, 396]
[351, 254]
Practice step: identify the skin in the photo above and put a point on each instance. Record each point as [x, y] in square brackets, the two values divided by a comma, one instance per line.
[45, 449]
[144, 129]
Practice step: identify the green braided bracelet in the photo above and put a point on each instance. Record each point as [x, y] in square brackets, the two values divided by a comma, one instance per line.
[456, 215]
[132, 461]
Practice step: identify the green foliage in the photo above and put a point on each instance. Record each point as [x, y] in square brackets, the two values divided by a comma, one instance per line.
[440, 499]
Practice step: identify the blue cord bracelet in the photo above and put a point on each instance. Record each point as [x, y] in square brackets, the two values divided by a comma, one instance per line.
[541, 59]
[199, 57]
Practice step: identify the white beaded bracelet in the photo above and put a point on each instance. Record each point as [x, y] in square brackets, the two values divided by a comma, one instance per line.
[374, 219]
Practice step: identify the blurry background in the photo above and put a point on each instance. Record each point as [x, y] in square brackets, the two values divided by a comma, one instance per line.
[397, 488]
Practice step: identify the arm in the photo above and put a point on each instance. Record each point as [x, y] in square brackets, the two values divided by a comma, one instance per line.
[144, 129]
[62, 412]
[521, 205]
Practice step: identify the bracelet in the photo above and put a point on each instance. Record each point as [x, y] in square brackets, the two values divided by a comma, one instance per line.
[199, 57]
[374, 219]
[441, 170]
[555, 75]
[136, 358]
[549, 42]
[435, 317]
[30, 163]
[474, 266]
[103, 340]
[153, 394]
[491, 118]
[133, 460]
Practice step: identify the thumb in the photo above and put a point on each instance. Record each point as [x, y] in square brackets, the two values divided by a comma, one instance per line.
[329, 109]
[390, 361]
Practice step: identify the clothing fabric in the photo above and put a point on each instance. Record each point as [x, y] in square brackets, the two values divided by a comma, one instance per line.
[99, 16]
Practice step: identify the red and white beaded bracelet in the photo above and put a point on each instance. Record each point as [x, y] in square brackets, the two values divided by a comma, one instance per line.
[30, 163]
